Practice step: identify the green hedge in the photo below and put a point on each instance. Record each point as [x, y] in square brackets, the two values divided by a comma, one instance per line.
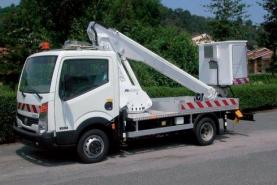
[167, 91]
[257, 96]
[251, 97]
[261, 96]
[262, 78]
[7, 115]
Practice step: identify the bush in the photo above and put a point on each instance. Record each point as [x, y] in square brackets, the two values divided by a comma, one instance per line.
[256, 96]
[7, 115]
[155, 92]
[252, 97]
[262, 78]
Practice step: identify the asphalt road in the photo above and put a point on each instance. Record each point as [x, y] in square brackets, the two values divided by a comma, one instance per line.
[247, 154]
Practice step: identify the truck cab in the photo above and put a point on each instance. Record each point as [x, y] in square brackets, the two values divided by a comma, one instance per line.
[62, 92]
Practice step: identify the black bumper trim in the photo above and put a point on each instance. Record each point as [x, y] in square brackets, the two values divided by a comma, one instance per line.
[44, 140]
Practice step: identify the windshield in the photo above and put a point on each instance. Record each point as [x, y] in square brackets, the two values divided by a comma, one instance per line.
[37, 74]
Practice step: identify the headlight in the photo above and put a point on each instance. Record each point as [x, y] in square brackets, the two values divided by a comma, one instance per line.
[43, 118]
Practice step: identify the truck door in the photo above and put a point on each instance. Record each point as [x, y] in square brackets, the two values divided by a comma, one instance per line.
[86, 88]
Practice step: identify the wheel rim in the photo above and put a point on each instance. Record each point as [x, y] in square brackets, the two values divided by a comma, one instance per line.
[206, 131]
[93, 146]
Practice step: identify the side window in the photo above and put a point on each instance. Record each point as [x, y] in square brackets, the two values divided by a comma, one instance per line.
[208, 52]
[79, 76]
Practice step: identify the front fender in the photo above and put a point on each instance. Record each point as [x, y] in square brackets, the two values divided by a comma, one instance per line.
[91, 116]
[92, 119]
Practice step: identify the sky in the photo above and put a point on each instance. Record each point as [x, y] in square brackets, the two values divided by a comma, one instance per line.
[255, 11]
[4, 3]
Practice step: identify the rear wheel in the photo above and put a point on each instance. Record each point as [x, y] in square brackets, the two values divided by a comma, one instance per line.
[93, 146]
[205, 131]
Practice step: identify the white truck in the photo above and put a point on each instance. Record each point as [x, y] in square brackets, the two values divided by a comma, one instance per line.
[88, 96]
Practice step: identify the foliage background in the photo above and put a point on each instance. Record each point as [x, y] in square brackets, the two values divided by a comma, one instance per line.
[165, 31]
[7, 115]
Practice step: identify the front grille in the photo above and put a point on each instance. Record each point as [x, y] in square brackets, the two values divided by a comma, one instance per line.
[28, 121]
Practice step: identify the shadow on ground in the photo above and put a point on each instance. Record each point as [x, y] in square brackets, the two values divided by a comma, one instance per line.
[58, 157]
[48, 157]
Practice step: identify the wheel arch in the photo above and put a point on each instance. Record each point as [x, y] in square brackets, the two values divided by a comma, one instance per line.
[213, 116]
[94, 123]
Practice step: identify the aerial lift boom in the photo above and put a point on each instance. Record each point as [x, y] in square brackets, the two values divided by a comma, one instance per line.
[110, 39]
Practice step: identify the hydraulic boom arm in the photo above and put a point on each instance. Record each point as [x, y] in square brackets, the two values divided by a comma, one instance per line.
[110, 39]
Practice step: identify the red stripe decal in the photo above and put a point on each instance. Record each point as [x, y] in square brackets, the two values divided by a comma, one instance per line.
[23, 106]
[225, 102]
[18, 105]
[28, 108]
[190, 105]
[217, 103]
[34, 109]
[200, 105]
[209, 103]
[233, 101]
[239, 81]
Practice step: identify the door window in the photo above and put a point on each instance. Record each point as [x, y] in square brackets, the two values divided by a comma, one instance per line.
[79, 76]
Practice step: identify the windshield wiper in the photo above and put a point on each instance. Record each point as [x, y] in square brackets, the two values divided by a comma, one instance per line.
[36, 92]
[23, 94]
[38, 95]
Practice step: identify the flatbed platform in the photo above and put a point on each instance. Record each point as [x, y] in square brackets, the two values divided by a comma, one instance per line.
[180, 106]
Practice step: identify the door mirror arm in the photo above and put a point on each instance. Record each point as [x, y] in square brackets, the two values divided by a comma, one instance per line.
[62, 90]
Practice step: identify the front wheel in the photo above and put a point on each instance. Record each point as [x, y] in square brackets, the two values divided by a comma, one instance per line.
[205, 131]
[93, 146]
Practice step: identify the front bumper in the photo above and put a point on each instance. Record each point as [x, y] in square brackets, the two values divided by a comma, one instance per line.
[44, 140]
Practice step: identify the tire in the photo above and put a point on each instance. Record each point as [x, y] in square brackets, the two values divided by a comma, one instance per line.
[93, 146]
[205, 131]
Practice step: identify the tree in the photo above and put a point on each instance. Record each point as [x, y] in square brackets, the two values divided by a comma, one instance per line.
[270, 27]
[21, 33]
[228, 16]
[24, 26]
[184, 20]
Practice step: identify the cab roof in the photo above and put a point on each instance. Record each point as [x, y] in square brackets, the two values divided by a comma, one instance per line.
[72, 53]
